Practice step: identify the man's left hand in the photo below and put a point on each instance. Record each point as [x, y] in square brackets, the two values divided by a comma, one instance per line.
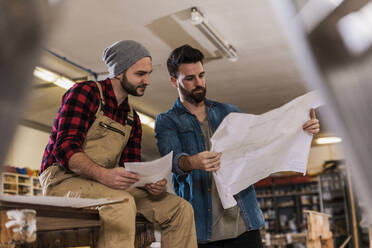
[156, 188]
[312, 126]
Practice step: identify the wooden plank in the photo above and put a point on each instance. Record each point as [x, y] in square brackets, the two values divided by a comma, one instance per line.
[346, 242]
[313, 243]
[68, 238]
[6, 234]
[48, 223]
[53, 211]
[318, 233]
[353, 213]
[327, 243]
[7, 246]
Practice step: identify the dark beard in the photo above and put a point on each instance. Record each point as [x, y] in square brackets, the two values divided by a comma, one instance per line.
[193, 96]
[130, 88]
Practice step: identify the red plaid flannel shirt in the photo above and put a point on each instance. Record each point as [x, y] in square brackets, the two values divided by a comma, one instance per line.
[77, 114]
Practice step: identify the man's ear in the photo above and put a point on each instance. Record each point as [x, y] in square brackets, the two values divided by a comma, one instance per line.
[120, 76]
[173, 81]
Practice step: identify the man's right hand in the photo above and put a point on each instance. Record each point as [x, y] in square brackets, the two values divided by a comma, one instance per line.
[207, 161]
[118, 178]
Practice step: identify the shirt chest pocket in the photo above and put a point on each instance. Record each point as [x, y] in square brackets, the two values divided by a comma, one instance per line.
[107, 128]
[104, 129]
[105, 142]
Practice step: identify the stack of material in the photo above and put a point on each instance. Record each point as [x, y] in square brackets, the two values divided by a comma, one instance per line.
[318, 232]
[17, 226]
[283, 240]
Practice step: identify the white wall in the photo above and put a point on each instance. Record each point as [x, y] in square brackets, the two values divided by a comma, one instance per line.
[27, 148]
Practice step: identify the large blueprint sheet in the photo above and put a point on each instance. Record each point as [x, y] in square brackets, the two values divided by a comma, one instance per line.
[255, 146]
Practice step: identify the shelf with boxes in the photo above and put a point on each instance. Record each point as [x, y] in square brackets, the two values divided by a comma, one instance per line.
[19, 181]
[282, 200]
[335, 199]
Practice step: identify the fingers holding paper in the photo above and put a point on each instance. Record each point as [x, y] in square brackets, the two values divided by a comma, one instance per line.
[156, 188]
[119, 178]
[312, 126]
[207, 161]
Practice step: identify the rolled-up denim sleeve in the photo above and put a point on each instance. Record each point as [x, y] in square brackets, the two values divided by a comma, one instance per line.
[167, 140]
[175, 164]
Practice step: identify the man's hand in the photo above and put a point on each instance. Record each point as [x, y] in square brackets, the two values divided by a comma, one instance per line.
[312, 126]
[156, 188]
[118, 178]
[207, 161]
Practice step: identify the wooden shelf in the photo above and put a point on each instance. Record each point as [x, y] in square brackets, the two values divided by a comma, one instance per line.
[19, 184]
[9, 190]
[285, 199]
[288, 195]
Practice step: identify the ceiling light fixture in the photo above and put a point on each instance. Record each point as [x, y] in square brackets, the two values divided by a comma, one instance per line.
[199, 20]
[52, 77]
[327, 140]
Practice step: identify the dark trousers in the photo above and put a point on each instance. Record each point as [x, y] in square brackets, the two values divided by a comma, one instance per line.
[249, 239]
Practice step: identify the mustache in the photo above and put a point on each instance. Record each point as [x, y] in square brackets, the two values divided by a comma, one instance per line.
[198, 88]
[143, 86]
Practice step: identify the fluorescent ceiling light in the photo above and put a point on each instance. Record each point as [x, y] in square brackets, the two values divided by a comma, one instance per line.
[356, 30]
[327, 140]
[64, 83]
[52, 77]
[198, 19]
[45, 74]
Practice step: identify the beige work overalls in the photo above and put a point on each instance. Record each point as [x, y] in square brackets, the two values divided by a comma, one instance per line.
[104, 143]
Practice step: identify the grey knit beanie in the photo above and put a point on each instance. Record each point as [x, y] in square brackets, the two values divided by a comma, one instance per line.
[122, 54]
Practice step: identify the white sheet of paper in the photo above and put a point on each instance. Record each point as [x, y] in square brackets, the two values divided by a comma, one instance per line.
[153, 171]
[255, 146]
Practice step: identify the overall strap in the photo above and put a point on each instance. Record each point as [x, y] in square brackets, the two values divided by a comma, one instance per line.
[130, 117]
[129, 123]
[102, 99]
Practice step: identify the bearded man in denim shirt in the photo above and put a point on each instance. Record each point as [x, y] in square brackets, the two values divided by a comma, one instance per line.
[186, 129]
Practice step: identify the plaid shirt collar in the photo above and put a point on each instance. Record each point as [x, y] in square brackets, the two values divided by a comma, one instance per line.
[109, 95]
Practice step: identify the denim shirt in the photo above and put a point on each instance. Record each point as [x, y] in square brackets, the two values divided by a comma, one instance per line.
[179, 131]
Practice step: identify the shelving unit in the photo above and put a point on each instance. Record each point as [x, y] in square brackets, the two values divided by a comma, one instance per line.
[19, 184]
[334, 201]
[283, 199]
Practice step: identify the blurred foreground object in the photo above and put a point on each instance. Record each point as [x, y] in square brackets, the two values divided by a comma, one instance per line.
[18, 226]
[341, 71]
[318, 231]
[22, 30]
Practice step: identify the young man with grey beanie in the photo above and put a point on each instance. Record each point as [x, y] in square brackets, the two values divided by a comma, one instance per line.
[95, 133]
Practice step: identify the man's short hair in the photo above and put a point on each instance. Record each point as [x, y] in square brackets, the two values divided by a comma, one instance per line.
[183, 55]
